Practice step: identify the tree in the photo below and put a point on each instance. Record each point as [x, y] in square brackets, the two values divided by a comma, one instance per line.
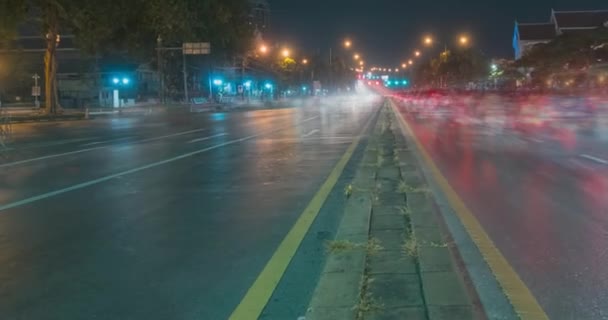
[568, 52]
[452, 68]
[110, 27]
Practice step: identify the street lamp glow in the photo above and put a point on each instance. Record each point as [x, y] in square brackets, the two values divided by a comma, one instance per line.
[247, 84]
[268, 86]
[463, 40]
[115, 81]
[347, 43]
[403, 65]
[410, 62]
[125, 80]
[356, 56]
[305, 61]
[494, 67]
[428, 40]
[285, 53]
[417, 53]
[263, 49]
[218, 82]
[361, 62]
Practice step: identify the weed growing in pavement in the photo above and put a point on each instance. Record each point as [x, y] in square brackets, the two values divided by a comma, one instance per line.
[435, 244]
[405, 188]
[373, 246]
[348, 190]
[334, 246]
[367, 302]
[379, 160]
[395, 157]
[406, 211]
[410, 246]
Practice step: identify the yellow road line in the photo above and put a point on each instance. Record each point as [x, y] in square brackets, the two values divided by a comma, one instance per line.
[259, 293]
[523, 301]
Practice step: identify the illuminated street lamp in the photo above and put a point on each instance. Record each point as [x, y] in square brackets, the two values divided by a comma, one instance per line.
[361, 63]
[463, 40]
[263, 49]
[428, 41]
[356, 56]
[417, 53]
[404, 65]
[305, 61]
[410, 62]
[347, 43]
[285, 53]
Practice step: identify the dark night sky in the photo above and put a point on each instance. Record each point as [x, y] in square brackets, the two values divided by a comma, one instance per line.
[387, 31]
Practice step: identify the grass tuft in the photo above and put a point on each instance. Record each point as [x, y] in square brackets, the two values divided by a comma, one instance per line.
[348, 190]
[405, 210]
[410, 246]
[373, 246]
[335, 246]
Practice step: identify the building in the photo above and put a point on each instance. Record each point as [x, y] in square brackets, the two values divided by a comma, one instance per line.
[526, 35]
[259, 15]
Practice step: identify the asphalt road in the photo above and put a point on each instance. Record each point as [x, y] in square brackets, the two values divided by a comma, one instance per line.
[168, 216]
[540, 195]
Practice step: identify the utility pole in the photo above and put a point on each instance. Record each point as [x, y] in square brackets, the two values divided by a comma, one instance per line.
[185, 79]
[161, 86]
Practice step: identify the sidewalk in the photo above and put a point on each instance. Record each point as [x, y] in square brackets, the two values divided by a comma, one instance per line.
[390, 259]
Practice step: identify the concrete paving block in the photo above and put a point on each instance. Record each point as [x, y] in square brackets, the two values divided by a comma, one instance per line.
[423, 218]
[366, 171]
[389, 238]
[427, 236]
[409, 313]
[450, 313]
[443, 289]
[390, 199]
[391, 262]
[388, 222]
[343, 313]
[337, 289]
[396, 290]
[389, 173]
[407, 156]
[380, 210]
[385, 185]
[346, 261]
[419, 201]
[356, 217]
[407, 166]
[364, 183]
[413, 179]
[352, 235]
[433, 259]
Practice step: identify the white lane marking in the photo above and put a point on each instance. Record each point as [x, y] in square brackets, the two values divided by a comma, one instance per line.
[12, 164]
[596, 159]
[106, 141]
[134, 170]
[536, 140]
[311, 133]
[207, 138]
[48, 144]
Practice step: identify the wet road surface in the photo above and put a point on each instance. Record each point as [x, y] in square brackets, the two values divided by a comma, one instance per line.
[539, 194]
[162, 217]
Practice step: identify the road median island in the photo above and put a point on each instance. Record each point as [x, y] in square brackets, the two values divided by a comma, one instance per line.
[390, 259]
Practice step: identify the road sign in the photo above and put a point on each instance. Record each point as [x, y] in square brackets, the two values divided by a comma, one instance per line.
[196, 48]
[35, 91]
